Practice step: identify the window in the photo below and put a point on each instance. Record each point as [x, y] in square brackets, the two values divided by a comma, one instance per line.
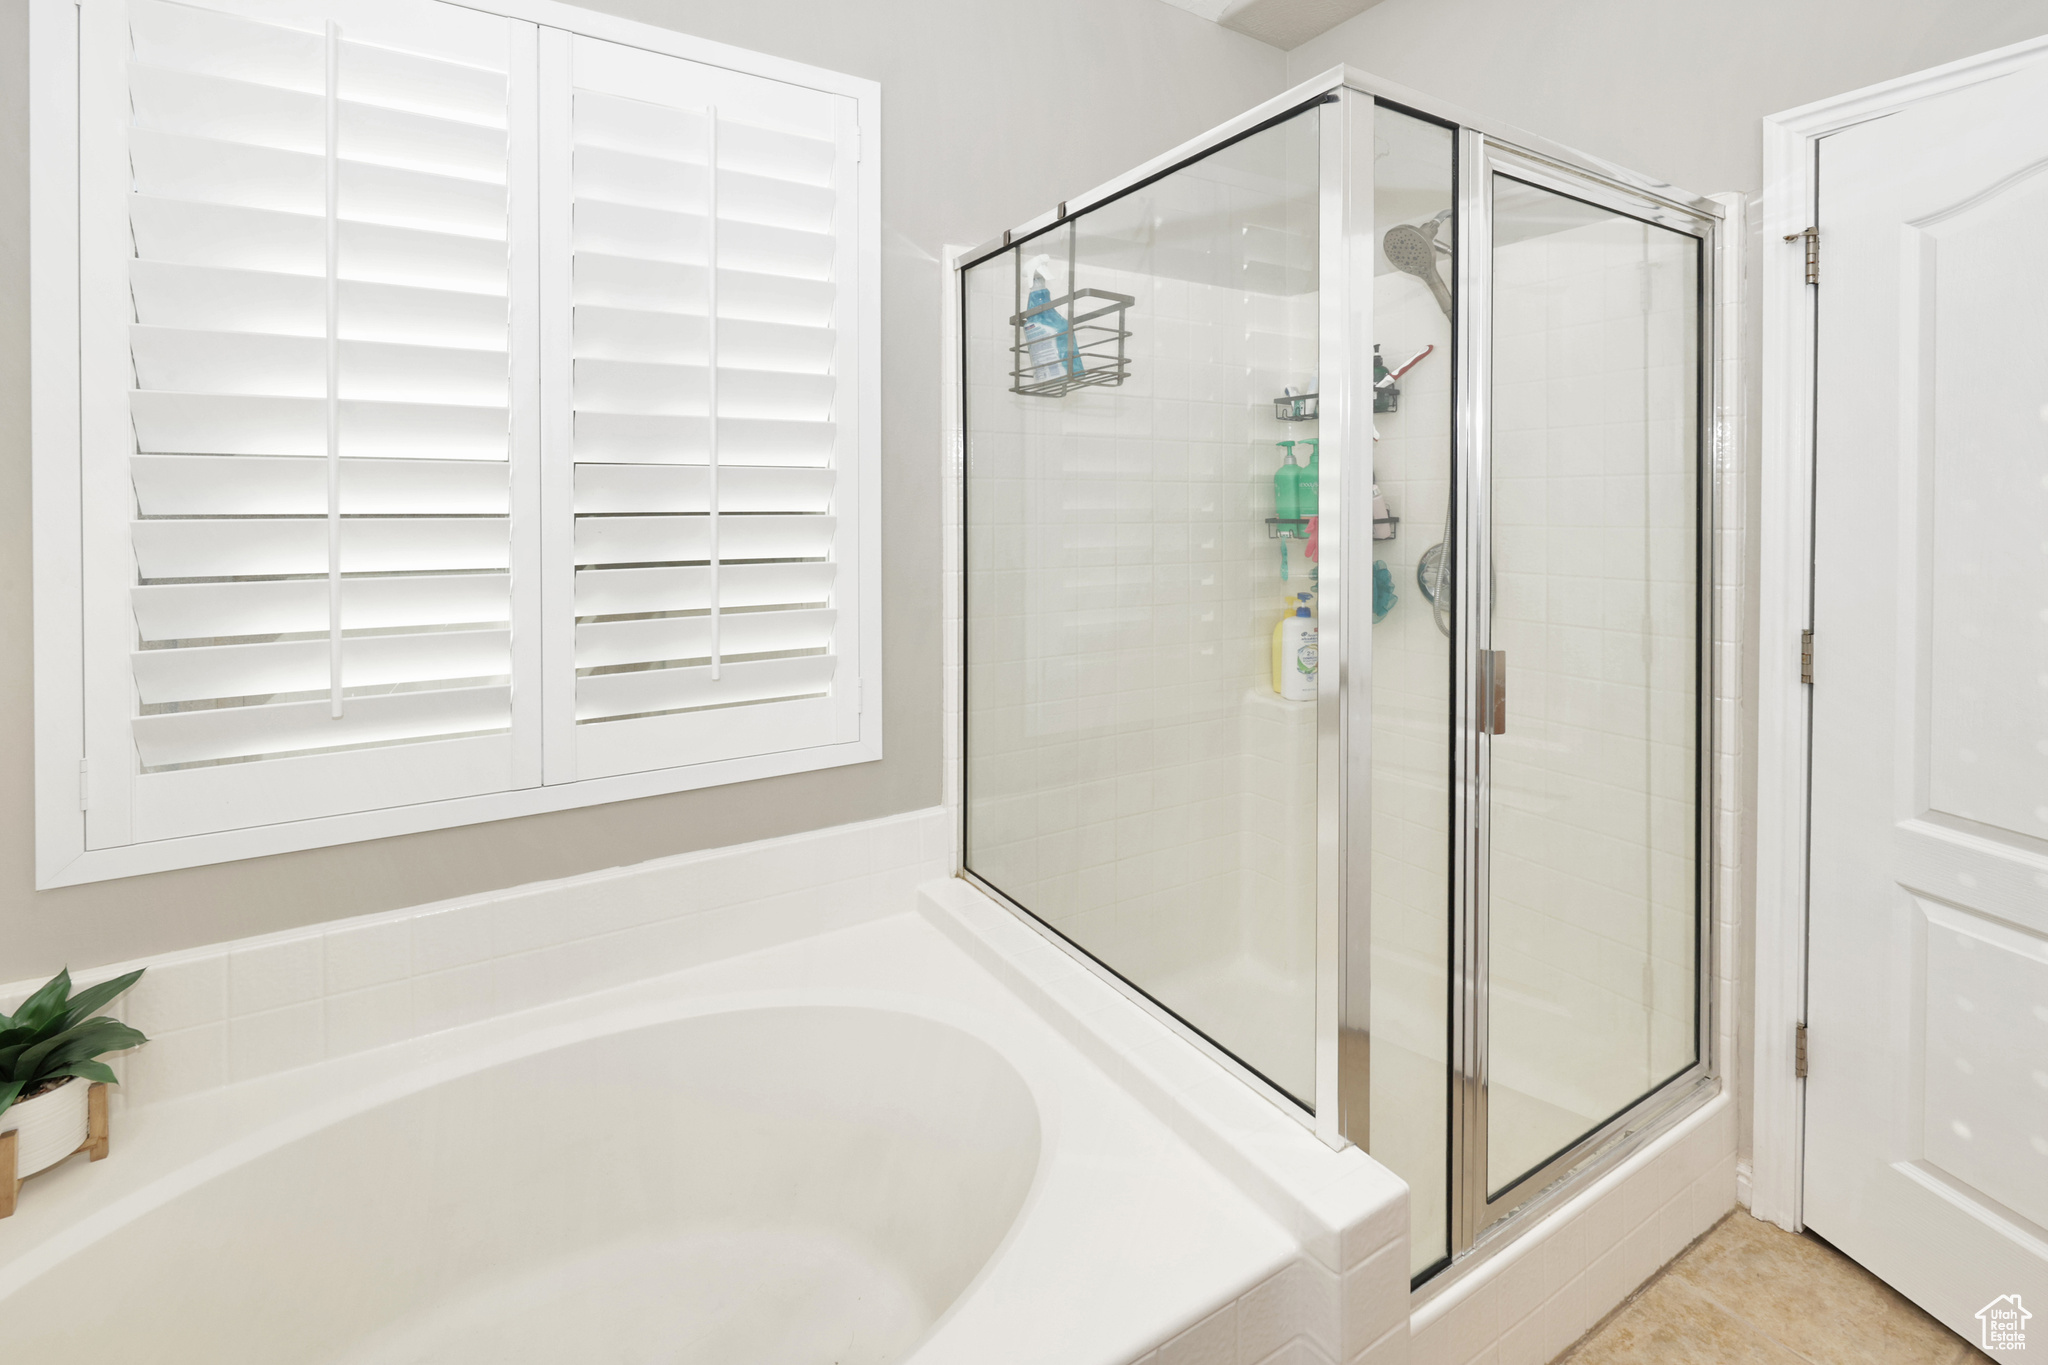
[440, 416]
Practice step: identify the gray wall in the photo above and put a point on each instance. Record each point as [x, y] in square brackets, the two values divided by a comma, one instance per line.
[1677, 91]
[1672, 89]
[992, 112]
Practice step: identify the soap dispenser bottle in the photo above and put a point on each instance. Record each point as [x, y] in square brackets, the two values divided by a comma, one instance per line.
[1287, 492]
[1311, 476]
[1294, 652]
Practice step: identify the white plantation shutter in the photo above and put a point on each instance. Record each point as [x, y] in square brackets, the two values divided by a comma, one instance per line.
[473, 419]
[313, 589]
[707, 219]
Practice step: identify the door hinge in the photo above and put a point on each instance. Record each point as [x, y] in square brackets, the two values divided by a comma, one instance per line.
[84, 785]
[1806, 656]
[859, 698]
[860, 149]
[1812, 236]
[1799, 1053]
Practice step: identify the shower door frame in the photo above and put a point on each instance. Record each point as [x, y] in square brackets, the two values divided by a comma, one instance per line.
[1348, 99]
[1477, 1215]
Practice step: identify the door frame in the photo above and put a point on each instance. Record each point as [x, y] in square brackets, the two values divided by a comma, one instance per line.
[1785, 578]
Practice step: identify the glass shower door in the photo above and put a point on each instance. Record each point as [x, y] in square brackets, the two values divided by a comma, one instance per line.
[1140, 734]
[1593, 720]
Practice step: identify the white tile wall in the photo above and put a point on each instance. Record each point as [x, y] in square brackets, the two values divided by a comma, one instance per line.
[248, 1008]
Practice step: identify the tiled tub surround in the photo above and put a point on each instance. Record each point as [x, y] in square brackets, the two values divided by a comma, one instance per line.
[1127, 1239]
[238, 1010]
[1305, 1263]
[1175, 1241]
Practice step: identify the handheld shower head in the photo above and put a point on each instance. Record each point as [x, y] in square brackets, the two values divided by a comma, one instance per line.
[1412, 251]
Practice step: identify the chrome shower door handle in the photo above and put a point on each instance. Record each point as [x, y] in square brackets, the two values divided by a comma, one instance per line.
[1493, 692]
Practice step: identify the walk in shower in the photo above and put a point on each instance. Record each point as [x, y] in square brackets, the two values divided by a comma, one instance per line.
[1338, 623]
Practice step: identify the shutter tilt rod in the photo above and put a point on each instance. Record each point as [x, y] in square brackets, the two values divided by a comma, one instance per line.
[711, 368]
[333, 272]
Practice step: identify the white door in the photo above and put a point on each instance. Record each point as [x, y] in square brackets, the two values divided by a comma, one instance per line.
[1927, 1094]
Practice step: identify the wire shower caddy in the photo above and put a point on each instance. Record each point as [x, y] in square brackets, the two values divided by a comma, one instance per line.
[1094, 339]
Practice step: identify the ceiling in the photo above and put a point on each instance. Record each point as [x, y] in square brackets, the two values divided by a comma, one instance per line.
[1286, 24]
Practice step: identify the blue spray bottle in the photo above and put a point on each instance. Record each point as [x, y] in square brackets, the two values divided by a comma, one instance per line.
[1050, 344]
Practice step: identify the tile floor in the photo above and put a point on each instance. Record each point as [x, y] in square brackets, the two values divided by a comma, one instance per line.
[1749, 1293]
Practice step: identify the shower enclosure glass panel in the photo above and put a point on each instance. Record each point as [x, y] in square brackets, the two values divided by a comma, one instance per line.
[1414, 181]
[1593, 814]
[1454, 390]
[1134, 779]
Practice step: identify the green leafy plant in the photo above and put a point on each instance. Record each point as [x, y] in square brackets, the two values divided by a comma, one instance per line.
[55, 1034]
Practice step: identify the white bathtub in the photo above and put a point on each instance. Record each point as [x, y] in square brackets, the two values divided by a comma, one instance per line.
[857, 1148]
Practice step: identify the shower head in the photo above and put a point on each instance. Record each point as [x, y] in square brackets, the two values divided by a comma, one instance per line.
[1412, 251]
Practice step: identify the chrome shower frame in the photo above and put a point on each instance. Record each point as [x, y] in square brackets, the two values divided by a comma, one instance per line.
[1345, 101]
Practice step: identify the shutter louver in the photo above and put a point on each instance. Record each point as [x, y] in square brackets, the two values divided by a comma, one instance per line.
[320, 340]
[708, 365]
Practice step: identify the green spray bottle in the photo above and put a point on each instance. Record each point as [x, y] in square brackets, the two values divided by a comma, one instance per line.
[1305, 485]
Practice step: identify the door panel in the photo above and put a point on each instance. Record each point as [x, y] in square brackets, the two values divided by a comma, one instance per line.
[1927, 1100]
[1985, 1112]
[1981, 361]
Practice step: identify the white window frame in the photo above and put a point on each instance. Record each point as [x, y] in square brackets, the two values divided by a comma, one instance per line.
[62, 783]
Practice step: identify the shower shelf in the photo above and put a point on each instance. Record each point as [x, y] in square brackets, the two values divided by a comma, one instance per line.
[1299, 407]
[1097, 338]
[1297, 527]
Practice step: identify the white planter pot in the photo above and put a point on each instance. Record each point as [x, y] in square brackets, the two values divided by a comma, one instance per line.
[52, 1125]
